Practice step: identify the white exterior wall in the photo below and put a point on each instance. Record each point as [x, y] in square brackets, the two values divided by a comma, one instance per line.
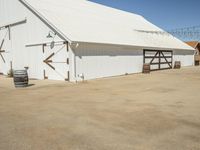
[186, 57]
[7, 47]
[97, 61]
[32, 32]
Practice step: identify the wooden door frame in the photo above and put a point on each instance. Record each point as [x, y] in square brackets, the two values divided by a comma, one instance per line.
[48, 60]
[159, 54]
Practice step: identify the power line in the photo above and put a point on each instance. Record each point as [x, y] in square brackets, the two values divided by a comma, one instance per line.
[186, 33]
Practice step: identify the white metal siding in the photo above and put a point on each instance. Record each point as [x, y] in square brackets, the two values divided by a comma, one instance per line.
[59, 62]
[186, 57]
[6, 55]
[32, 32]
[97, 61]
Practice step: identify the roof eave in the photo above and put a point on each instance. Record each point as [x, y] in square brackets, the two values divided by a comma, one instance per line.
[137, 46]
[46, 21]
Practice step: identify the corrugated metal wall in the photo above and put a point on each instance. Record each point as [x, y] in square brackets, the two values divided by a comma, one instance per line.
[186, 57]
[7, 54]
[32, 32]
[97, 61]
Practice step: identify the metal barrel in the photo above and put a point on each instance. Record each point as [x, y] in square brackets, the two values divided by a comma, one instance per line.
[20, 78]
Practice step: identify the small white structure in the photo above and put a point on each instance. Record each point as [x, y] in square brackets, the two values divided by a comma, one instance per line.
[78, 39]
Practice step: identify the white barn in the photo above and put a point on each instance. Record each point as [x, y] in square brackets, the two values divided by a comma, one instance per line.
[76, 39]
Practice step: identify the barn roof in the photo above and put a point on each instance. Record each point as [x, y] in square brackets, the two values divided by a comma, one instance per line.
[85, 21]
[193, 44]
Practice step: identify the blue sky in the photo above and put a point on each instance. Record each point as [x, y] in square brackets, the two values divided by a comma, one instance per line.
[167, 14]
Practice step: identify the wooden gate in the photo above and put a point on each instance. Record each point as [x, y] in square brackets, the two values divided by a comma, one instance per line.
[158, 59]
[56, 60]
[5, 48]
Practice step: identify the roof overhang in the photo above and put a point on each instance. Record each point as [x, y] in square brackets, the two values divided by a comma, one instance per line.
[110, 36]
[47, 22]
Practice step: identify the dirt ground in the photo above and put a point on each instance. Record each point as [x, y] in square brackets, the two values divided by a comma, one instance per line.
[160, 111]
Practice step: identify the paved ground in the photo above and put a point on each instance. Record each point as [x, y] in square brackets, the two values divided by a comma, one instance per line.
[160, 111]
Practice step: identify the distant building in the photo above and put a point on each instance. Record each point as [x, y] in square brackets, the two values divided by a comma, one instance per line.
[196, 46]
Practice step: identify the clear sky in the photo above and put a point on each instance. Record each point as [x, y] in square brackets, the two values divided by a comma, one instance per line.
[167, 14]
